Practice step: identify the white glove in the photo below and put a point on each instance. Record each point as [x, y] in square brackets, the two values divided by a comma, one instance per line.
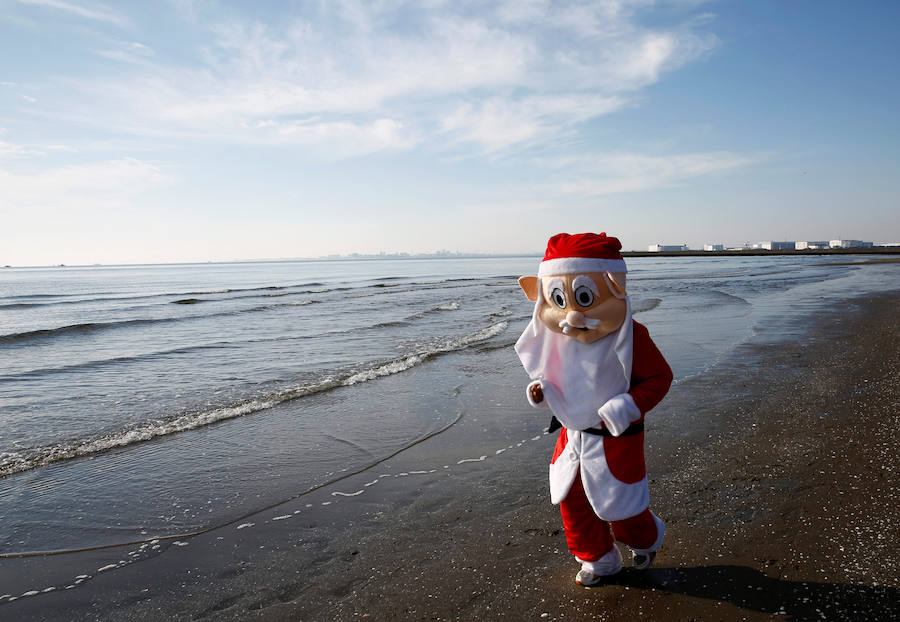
[618, 413]
[543, 403]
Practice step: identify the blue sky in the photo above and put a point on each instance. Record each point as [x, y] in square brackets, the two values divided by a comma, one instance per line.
[206, 130]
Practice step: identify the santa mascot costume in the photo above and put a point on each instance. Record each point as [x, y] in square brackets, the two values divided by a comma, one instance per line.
[599, 373]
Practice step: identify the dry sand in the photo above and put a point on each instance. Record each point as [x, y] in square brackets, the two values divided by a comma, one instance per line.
[780, 497]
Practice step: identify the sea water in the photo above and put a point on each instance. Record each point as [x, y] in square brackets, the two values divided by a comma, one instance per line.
[147, 401]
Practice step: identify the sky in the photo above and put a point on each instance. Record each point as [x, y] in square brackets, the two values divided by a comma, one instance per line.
[205, 130]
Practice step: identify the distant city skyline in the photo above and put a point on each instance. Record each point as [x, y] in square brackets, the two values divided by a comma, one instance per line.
[184, 131]
[447, 254]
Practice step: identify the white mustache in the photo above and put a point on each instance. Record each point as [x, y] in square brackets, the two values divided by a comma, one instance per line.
[588, 323]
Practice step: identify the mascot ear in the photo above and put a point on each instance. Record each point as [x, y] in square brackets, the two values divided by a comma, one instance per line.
[616, 281]
[529, 285]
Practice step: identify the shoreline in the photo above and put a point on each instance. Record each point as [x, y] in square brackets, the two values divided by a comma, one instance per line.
[761, 504]
[876, 250]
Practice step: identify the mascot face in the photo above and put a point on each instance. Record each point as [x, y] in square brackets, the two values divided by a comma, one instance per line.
[585, 307]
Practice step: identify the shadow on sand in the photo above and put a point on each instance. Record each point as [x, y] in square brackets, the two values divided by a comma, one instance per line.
[753, 590]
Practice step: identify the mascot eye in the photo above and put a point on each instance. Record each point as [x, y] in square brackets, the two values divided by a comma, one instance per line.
[558, 298]
[584, 296]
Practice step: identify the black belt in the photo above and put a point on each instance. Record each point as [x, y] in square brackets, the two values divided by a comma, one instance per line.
[635, 428]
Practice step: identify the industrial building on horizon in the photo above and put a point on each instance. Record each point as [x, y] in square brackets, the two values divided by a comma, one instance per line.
[770, 245]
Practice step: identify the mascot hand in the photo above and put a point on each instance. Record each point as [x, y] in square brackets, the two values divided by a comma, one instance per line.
[535, 394]
[619, 412]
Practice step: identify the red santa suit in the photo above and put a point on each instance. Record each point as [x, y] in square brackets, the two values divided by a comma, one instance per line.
[600, 393]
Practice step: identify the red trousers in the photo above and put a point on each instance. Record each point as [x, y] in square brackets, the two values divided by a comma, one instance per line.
[588, 536]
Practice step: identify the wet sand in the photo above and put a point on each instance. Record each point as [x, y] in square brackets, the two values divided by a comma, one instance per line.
[777, 476]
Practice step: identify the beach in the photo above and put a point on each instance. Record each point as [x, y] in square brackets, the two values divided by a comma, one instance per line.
[288, 326]
[778, 483]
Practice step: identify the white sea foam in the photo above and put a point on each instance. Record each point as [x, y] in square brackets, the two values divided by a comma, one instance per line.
[394, 367]
[81, 578]
[346, 494]
[471, 460]
[15, 462]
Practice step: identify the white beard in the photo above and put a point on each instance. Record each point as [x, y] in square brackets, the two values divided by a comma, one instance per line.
[577, 378]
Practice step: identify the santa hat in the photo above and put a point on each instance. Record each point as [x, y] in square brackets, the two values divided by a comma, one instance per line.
[582, 252]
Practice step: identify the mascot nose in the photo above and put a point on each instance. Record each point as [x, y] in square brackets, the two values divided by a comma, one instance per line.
[575, 319]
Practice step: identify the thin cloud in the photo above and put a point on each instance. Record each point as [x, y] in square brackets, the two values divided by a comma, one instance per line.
[130, 52]
[340, 139]
[619, 173]
[98, 12]
[449, 77]
[500, 123]
[113, 182]
[10, 150]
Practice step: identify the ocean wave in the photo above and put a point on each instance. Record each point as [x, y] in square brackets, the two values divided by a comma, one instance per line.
[645, 304]
[388, 324]
[54, 303]
[29, 296]
[27, 459]
[381, 290]
[697, 276]
[106, 298]
[447, 306]
[40, 372]
[722, 298]
[499, 345]
[99, 363]
[15, 302]
[439, 346]
[87, 327]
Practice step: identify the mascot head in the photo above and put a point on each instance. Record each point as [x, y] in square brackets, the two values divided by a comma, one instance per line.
[580, 288]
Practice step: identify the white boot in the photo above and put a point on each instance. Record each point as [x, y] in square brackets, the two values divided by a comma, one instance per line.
[592, 573]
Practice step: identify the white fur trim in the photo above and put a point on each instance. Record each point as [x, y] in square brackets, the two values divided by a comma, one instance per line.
[618, 413]
[564, 470]
[572, 265]
[543, 403]
[609, 564]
